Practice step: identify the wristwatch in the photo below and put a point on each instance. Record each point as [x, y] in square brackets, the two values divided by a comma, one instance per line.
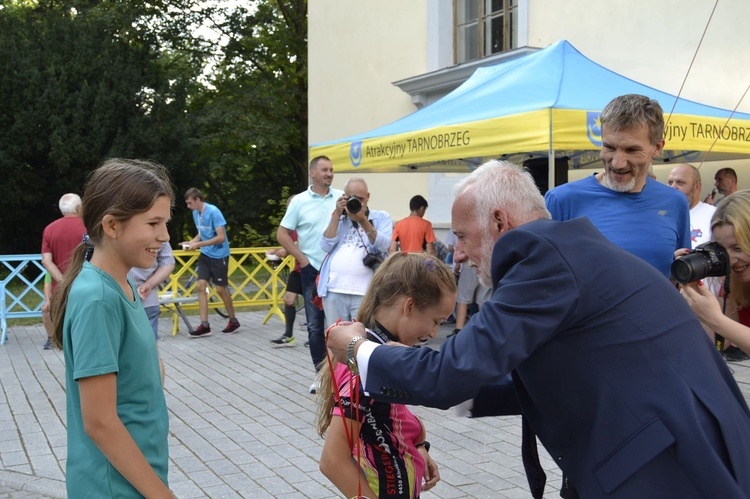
[424, 444]
[351, 360]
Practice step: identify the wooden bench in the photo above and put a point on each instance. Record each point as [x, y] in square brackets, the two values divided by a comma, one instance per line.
[174, 305]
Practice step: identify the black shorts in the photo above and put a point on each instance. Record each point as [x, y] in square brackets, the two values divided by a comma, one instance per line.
[294, 283]
[215, 269]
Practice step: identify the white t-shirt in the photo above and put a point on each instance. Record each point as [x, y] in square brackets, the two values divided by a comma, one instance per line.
[348, 275]
[700, 223]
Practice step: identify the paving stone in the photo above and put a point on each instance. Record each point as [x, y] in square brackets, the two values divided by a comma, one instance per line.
[242, 422]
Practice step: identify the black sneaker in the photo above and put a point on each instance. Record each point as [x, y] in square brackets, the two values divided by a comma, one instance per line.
[284, 341]
[734, 354]
[454, 332]
[232, 326]
[201, 331]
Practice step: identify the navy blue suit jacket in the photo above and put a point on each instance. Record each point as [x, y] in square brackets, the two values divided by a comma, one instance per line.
[613, 371]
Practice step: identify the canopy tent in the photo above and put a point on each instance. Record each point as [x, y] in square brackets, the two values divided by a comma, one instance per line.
[545, 104]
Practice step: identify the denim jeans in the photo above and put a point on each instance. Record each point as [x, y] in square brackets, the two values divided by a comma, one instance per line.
[315, 316]
[341, 306]
[153, 318]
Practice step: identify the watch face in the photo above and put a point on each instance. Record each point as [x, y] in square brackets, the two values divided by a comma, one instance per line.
[352, 365]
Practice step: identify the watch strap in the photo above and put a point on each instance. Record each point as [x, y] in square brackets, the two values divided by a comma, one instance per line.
[351, 360]
[424, 444]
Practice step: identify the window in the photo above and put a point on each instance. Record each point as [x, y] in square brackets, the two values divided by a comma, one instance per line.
[484, 27]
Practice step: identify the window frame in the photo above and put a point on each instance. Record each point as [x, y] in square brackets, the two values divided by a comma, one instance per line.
[482, 20]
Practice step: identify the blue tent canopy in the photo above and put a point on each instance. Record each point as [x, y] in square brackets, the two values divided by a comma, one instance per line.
[545, 104]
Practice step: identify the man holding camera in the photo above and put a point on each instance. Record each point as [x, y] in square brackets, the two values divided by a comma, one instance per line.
[355, 242]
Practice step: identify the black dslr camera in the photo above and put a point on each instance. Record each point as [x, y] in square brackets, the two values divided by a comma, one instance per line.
[372, 260]
[353, 205]
[707, 260]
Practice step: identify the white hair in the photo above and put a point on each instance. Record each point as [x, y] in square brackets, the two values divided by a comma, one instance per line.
[69, 203]
[501, 184]
[352, 180]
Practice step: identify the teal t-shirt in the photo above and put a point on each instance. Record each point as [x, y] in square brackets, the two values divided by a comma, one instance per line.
[105, 332]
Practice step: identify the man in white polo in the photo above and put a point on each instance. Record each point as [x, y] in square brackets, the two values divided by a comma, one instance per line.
[308, 213]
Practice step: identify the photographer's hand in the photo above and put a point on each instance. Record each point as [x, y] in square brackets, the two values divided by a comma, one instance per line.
[333, 226]
[681, 252]
[703, 303]
[360, 217]
[340, 205]
[707, 308]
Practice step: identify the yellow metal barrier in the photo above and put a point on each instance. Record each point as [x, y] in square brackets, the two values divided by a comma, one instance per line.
[253, 281]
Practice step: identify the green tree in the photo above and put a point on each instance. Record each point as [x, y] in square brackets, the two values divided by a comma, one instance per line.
[251, 120]
[91, 79]
[83, 84]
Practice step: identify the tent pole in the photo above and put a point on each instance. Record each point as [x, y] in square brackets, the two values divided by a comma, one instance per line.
[551, 169]
[551, 157]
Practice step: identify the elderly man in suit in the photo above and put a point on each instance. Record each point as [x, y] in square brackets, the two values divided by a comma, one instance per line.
[612, 370]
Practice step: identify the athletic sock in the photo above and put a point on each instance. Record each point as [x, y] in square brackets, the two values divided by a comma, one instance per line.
[290, 313]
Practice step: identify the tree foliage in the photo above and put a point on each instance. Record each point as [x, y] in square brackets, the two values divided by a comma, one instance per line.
[91, 79]
[252, 119]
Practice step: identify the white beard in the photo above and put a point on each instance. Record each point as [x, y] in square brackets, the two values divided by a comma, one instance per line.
[613, 186]
[484, 269]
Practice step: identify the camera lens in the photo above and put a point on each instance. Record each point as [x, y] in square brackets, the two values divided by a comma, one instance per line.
[685, 269]
[707, 260]
[353, 205]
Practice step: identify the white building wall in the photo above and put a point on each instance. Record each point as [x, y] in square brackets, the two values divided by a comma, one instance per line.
[654, 42]
[357, 48]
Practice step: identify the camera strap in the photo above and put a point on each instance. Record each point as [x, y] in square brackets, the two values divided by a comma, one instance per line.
[364, 245]
[719, 340]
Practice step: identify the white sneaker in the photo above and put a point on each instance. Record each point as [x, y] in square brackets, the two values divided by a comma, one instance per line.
[314, 387]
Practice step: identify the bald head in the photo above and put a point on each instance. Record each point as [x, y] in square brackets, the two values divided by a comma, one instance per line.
[686, 179]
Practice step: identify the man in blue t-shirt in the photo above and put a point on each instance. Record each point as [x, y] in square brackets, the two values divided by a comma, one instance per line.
[637, 213]
[213, 262]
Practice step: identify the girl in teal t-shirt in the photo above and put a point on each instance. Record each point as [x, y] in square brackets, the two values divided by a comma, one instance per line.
[116, 410]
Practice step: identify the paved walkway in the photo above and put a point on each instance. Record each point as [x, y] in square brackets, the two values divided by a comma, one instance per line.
[241, 422]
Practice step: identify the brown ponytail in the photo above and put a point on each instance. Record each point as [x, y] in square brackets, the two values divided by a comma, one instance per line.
[121, 188]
